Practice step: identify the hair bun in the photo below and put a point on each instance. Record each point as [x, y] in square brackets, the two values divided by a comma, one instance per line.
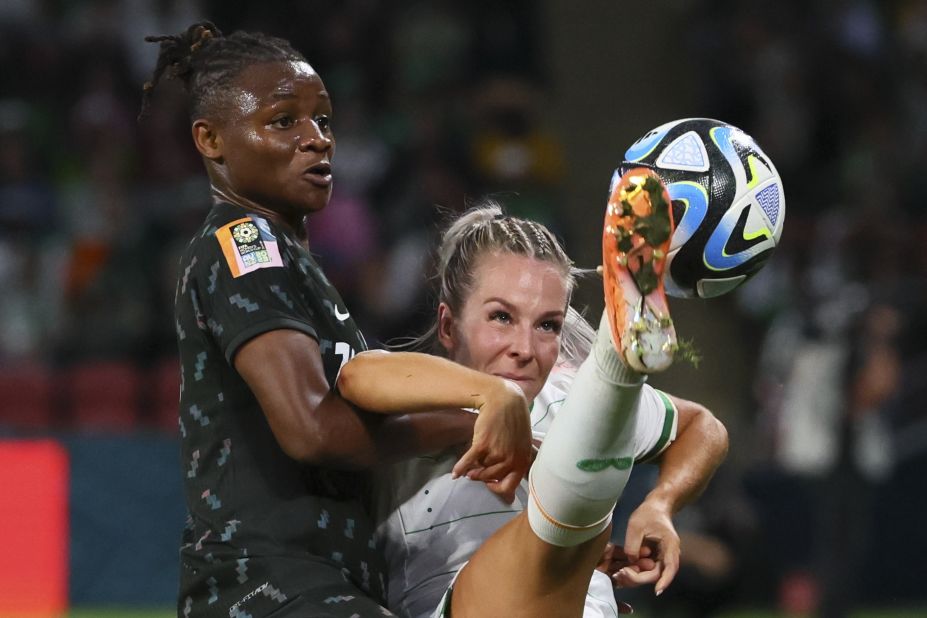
[202, 32]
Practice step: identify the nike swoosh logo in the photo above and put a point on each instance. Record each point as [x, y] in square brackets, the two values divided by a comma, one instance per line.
[597, 465]
[341, 317]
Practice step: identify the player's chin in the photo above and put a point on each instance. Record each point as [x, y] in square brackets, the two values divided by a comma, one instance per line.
[315, 199]
[531, 388]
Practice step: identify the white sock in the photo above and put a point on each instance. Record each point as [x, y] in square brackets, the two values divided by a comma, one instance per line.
[587, 455]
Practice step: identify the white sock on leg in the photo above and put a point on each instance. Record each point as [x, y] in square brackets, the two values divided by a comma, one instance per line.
[587, 455]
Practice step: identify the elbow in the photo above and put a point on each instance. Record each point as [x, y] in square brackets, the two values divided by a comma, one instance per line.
[322, 452]
[300, 431]
[304, 447]
[322, 440]
[352, 373]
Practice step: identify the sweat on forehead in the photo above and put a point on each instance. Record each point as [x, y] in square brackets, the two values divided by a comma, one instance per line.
[267, 83]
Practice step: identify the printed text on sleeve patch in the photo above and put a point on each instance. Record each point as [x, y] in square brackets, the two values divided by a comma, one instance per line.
[248, 244]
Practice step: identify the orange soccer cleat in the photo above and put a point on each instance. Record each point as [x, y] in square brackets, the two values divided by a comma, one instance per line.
[635, 242]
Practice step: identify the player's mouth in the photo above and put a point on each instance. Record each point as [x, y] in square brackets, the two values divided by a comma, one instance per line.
[319, 174]
[519, 379]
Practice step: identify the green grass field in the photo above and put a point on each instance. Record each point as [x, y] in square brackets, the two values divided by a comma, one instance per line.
[120, 612]
[116, 612]
[867, 613]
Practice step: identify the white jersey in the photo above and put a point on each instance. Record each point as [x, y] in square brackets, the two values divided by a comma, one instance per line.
[431, 525]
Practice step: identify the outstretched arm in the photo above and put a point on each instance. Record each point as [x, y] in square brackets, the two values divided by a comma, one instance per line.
[396, 382]
[390, 383]
[686, 466]
[313, 424]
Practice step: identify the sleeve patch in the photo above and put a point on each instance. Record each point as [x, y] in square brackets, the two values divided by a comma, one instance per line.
[248, 244]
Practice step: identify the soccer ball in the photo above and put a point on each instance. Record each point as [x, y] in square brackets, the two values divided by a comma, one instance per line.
[728, 203]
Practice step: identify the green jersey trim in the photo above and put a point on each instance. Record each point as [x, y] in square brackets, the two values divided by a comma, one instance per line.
[669, 423]
[546, 412]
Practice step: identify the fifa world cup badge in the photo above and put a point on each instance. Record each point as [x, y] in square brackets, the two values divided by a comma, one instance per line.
[248, 245]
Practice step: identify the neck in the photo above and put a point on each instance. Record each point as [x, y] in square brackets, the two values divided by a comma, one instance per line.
[295, 222]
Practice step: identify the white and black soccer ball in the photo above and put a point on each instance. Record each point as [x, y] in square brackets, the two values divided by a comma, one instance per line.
[728, 202]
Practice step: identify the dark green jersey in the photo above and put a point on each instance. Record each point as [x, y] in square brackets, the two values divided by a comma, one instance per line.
[261, 523]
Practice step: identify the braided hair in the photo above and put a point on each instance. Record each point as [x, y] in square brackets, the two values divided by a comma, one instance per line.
[207, 63]
[486, 229]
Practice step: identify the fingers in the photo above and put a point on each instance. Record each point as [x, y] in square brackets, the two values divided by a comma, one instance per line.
[489, 469]
[632, 542]
[474, 473]
[670, 568]
[468, 461]
[506, 487]
[491, 472]
[647, 571]
[617, 560]
[632, 576]
[502, 478]
[478, 463]
[618, 553]
[625, 608]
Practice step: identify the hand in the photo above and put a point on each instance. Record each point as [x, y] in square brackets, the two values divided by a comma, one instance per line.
[651, 536]
[621, 569]
[501, 449]
[613, 560]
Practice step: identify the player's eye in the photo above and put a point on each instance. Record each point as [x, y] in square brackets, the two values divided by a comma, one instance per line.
[324, 123]
[283, 121]
[552, 326]
[503, 317]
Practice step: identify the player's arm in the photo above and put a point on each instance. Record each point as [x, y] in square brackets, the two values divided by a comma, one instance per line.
[390, 383]
[686, 466]
[313, 424]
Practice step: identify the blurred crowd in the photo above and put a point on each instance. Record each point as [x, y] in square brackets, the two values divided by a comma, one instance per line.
[94, 205]
[440, 102]
[823, 515]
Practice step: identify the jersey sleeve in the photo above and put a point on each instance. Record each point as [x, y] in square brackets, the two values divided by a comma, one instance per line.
[246, 286]
[657, 421]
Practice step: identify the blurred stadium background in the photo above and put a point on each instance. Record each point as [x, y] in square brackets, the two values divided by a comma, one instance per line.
[816, 366]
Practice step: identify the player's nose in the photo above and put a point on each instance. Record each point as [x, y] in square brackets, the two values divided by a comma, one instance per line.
[522, 344]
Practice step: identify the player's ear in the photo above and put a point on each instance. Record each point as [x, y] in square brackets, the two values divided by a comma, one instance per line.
[207, 139]
[446, 335]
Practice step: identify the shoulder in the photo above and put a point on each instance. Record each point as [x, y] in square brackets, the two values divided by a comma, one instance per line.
[244, 242]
